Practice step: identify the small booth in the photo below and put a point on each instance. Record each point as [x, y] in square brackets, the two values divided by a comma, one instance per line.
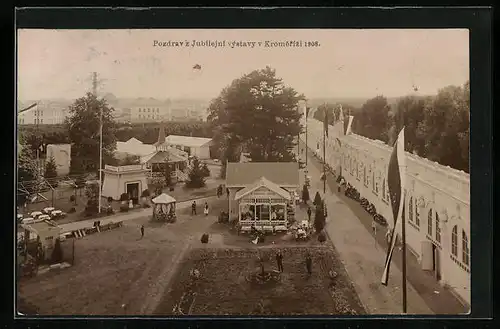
[130, 179]
[264, 204]
[164, 208]
[42, 232]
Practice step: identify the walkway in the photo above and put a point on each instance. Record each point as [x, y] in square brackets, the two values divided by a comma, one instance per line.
[363, 258]
[120, 217]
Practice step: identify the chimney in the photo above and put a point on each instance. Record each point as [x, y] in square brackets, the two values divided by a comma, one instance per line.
[161, 135]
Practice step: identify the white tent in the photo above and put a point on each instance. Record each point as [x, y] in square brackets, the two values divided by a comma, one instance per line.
[163, 199]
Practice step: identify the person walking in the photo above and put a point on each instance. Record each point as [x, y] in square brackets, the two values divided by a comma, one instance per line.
[205, 210]
[193, 208]
[309, 212]
[142, 231]
[309, 264]
[279, 260]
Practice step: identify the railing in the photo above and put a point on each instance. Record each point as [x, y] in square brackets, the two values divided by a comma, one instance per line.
[125, 168]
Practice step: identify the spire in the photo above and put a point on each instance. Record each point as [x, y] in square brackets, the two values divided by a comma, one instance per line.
[161, 135]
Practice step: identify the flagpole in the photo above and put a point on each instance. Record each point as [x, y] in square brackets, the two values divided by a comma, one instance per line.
[324, 156]
[403, 238]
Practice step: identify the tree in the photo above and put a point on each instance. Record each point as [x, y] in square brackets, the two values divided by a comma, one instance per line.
[130, 160]
[83, 125]
[373, 119]
[317, 199]
[257, 113]
[50, 169]
[195, 175]
[409, 112]
[319, 218]
[305, 194]
[92, 194]
[205, 170]
[26, 166]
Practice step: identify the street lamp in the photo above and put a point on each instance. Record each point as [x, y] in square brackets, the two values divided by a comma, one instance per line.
[100, 159]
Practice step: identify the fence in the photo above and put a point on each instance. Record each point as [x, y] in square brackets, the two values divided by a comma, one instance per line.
[57, 193]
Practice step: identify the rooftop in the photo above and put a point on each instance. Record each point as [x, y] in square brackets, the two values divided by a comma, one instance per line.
[262, 182]
[187, 140]
[280, 173]
[162, 156]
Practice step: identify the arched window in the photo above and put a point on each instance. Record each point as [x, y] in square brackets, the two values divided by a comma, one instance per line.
[384, 195]
[438, 229]
[417, 214]
[410, 210]
[465, 248]
[429, 223]
[454, 241]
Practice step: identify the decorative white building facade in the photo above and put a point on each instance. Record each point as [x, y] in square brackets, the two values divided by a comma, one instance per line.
[437, 200]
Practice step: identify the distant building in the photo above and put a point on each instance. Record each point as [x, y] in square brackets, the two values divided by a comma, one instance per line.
[193, 146]
[45, 113]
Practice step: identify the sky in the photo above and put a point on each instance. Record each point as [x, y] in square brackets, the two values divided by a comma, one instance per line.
[349, 63]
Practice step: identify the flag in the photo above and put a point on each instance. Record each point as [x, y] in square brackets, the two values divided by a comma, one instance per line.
[395, 183]
[197, 67]
[325, 122]
[349, 124]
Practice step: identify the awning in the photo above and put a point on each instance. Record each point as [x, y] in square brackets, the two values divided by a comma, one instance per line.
[163, 199]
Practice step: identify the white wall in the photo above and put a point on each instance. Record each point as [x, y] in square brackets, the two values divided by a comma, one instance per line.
[62, 157]
[430, 187]
[202, 152]
[114, 185]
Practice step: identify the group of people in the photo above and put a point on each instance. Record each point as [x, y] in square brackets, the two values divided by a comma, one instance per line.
[308, 262]
[193, 208]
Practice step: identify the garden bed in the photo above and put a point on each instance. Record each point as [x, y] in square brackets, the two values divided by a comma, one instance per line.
[222, 288]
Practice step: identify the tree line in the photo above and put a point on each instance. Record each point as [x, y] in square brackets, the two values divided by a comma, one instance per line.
[436, 127]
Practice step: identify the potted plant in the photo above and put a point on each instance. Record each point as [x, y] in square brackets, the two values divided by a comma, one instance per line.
[124, 202]
[145, 198]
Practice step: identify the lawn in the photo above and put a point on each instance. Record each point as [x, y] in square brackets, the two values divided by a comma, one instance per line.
[115, 272]
[222, 288]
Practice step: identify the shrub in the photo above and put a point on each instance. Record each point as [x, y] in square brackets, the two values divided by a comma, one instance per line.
[145, 193]
[317, 199]
[305, 194]
[204, 238]
[124, 197]
[322, 237]
[195, 175]
[110, 199]
[319, 218]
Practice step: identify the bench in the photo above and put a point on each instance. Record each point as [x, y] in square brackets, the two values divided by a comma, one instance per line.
[280, 228]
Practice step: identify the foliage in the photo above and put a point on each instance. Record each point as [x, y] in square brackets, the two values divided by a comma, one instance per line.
[322, 237]
[148, 132]
[168, 170]
[205, 171]
[305, 194]
[129, 159]
[124, 197]
[317, 199]
[50, 168]
[145, 193]
[436, 127]
[92, 194]
[319, 218]
[83, 127]
[195, 175]
[258, 113]
[57, 253]
[26, 166]
[110, 199]
[204, 238]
